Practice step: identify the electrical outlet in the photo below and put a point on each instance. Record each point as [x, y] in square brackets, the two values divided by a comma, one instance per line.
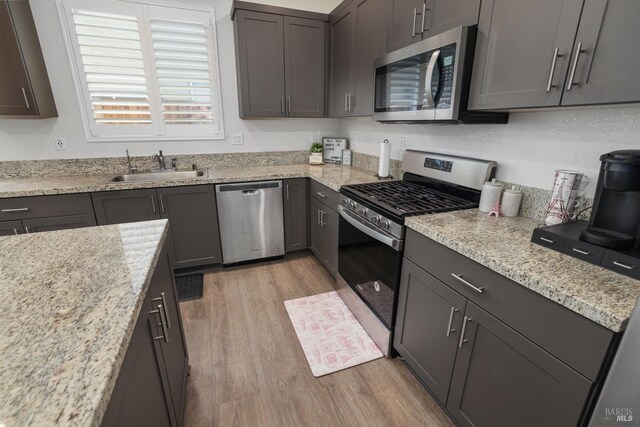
[237, 139]
[403, 143]
[61, 144]
[314, 137]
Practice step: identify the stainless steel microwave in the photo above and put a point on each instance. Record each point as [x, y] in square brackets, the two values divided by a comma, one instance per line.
[429, 81]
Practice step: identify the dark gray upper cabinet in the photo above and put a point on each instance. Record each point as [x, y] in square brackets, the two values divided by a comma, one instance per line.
[10, 228]
[150, 388]
[280, 62]
[372, 17]
[260, 62]
[607, 69]
[295, 214]
[24, 85]
[193, 224]
[305, 53]
[117, 207]
[405, 24]
[428, 327]
[501, 379]
[523, 52]
[341, 73]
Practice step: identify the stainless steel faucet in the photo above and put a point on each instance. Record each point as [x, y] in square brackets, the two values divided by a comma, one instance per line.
[161, 163]
[130, 169]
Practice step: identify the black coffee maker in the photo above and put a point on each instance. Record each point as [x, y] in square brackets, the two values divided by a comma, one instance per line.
[615, 220]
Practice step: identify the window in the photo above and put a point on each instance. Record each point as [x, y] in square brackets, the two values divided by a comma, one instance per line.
[144, 72]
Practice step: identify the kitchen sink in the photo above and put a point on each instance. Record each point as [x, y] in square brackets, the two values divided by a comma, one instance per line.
[166, 175]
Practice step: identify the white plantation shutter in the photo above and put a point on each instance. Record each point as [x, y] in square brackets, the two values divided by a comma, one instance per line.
[144, 72]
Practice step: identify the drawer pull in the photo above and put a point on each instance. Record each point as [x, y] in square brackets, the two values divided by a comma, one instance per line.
[464, 329]
[323, 195]
[164, 307]
[544, 239]
[628, 267]
[453, 311]
[464, 282]
[15, 210]
[581, 252]
[165, 335]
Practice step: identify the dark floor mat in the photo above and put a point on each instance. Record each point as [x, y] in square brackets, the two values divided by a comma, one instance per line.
[189, 287]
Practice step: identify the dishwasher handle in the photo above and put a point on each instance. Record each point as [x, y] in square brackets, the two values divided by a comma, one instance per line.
[249, 187]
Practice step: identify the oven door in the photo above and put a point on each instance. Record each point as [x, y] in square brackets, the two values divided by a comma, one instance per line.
[369, 260]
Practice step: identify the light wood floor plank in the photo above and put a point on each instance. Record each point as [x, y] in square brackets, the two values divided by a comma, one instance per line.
[248, 368]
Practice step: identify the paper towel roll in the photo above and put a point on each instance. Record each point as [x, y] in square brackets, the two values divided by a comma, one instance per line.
[385, 156]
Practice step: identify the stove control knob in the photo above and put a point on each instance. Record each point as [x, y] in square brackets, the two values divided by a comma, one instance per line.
[352, 205]
[375, 220]
[362, 211]
[385, 224]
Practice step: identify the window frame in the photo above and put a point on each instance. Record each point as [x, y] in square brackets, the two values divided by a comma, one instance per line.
[157, 131]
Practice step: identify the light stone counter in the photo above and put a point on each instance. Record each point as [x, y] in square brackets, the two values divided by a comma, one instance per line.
[504, 245]
[69, 301]
[333, 176]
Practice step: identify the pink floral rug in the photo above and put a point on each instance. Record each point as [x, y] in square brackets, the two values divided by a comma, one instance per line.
[331, 337]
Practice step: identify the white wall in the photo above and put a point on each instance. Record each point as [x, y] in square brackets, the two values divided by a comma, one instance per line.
[33, 139]
[528, 149]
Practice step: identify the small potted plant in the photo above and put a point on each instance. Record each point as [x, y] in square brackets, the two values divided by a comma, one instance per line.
[315, 158]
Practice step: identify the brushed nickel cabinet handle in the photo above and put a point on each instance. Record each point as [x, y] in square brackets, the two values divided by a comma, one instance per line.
[544, 239]
[552, 72]
[15, 210]
[27, 230]
[581, 252]
[628, 267]
[346, 101]
[164, 307]
[322, 223]
[453, 312]
[15, 231]
[464, 330]
[289, 104]
[165, 335]
[153, 203]
[574, 66]
[323, 195]
[424, 15]
[161, 203]
[464, 282]
[26, 98]
[415, 15]
[287, 190]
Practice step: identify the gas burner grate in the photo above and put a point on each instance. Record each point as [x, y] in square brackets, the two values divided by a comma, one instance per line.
[407, 198]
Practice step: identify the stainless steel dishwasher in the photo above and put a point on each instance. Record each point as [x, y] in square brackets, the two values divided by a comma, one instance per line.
[251, 220]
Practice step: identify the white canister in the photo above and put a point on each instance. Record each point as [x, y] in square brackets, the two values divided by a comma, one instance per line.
[511, 200]
[490, 197]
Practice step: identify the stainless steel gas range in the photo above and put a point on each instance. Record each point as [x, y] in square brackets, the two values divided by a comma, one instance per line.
[371, 230]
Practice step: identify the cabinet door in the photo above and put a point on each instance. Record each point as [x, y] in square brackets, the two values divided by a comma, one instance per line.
[58, 223]
[15, 90]
[295, 214]
[515, 64]
[503, 379]
[304, 58]
[140, 396]
[117, 207]
[193, 220]
[608, 71]
[162, 292]
[370, 43]
[406, 23]
[443, 15]
[315, 232]
[428, 327]
[260, 62]
[329, 221]
[10, 228]
[342, 32]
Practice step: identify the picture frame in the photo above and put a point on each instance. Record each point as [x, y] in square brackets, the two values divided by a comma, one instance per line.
[333, 149]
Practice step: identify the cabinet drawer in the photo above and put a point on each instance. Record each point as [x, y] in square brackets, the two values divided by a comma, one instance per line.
[325, 195]
[549, 240]
[576, 340]
[584, 251]
[45, 206]
[623, 264]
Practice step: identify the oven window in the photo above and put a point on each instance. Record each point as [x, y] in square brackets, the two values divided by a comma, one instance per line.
[404, 85]
[371, 269]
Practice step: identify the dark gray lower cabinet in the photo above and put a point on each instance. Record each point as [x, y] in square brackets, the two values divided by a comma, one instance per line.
[295, 214]
[503, 379]
[117, 207]
[428, 327]
[150, 388]
[193, 220]
[38, 225]
[9, 228]
[324, 235]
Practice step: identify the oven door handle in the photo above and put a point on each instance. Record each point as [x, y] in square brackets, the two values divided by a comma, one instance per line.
[367, 229]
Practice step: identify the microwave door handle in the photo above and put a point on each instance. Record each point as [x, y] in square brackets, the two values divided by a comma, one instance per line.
[429, 78]
[369, 231]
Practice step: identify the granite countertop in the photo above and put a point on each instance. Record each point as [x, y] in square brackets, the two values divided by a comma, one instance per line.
[69, 302]
[504, 245]
[333, 176]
